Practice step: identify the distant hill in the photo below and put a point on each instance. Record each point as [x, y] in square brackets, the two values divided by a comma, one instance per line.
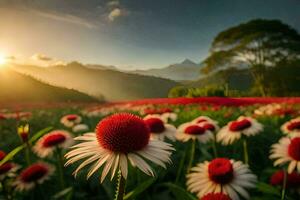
[20, 88]
[101, 83]
[186, 70]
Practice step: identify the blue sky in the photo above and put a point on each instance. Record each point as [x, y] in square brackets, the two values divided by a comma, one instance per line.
[127, 33]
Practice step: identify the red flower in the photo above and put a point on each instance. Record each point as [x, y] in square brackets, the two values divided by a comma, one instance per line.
[240, 125]
[194, 130]
[294, 126]
[34, 173]
[294, 148]
[123, 132]
[155, 125]
[54, 140]
[293, 179]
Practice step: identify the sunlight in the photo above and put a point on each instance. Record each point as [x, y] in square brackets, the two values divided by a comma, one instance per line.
[2, 59]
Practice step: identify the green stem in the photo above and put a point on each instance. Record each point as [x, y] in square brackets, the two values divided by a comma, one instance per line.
[27, 154]
[246, 156]
[181, 164]
[193, 145]
[214, 146]
[120, 187]
[60, 169]
[284, 185]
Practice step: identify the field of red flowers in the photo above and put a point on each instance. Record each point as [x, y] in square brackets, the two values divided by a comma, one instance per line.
[185, 149]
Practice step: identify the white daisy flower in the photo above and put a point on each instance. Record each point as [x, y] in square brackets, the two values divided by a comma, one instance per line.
[80, 128]
[292, 127]
[70, 120]
[191, 131]
[234, 130]
[55, 139]
[221, 175]
[34, 174]
[119, 139]
[159, 129]
[287, 151]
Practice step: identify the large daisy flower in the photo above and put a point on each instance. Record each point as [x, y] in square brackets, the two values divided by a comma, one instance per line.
[119, 139]
[234, 130]
[55, 139]
[216, 196]
[34, 174]
[292, 127]
[191, 131]
[160, 129]
[287, 150]
[221, 175]
[8, 168]
[70, 120]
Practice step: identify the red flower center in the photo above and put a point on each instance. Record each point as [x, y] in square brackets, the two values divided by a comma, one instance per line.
[240, 125]
[294, 148]
[209, 127]
[220, 170]
[194, 130]
[123, 132]
[201, 120]
[53, 140]
[155, 125]
[216, 196]
[71, 117]
[33, 173]
[293, 179]
[5, 168]
[2, 155]
[294, 126]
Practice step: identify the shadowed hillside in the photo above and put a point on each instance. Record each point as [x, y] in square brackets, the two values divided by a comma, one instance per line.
[107, 84]
[19, 88]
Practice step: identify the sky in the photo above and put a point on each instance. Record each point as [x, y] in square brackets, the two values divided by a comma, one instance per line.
[129, 34]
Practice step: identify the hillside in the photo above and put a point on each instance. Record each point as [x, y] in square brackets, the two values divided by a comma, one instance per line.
[186, 70]
[103, 84]
[20, 88]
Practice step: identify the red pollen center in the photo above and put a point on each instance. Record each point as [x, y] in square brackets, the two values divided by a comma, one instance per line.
[194, 130]
[209, 127]
[216, 196]
[155, 125]
[123, 132]
[293, 179]
[53, 140]
[220, 170]
[2, 155]
[34, 173]
[5, 168]
[294, 126]
[294, 148]
[240, 125]
[71, 117]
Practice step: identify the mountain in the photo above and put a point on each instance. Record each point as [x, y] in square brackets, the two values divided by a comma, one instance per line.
[20, 88]
[186, 70]
[105, 84]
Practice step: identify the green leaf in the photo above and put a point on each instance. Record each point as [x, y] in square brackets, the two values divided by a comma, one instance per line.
[141, 188]
[37, 135]
[179, 192]
[268, 189]
[67, 193]
[15, 151]
[11, 154]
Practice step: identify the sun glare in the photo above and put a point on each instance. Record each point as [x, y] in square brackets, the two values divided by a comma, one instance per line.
[2, 59]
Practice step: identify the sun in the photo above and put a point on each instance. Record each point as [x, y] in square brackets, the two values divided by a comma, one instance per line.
[2, 59]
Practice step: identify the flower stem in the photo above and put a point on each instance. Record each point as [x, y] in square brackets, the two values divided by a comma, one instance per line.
[181, 164]
[192, 155]
[246, 156]
[120, 187]
[60, 169]
[27, 154]
[284, 185]
[214, 146]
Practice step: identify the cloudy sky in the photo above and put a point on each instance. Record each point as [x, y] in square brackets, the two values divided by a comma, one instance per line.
[127, 33]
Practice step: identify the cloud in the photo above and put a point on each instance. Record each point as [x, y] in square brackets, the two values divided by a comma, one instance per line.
[115, 13]
[68, 18]
[41, 57]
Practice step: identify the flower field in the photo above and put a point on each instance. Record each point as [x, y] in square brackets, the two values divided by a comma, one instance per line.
[184, 149]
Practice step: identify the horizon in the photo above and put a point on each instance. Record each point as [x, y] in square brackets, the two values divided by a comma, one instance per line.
[125, 34]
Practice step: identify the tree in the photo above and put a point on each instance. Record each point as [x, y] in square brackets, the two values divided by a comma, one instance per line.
[257, 44]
